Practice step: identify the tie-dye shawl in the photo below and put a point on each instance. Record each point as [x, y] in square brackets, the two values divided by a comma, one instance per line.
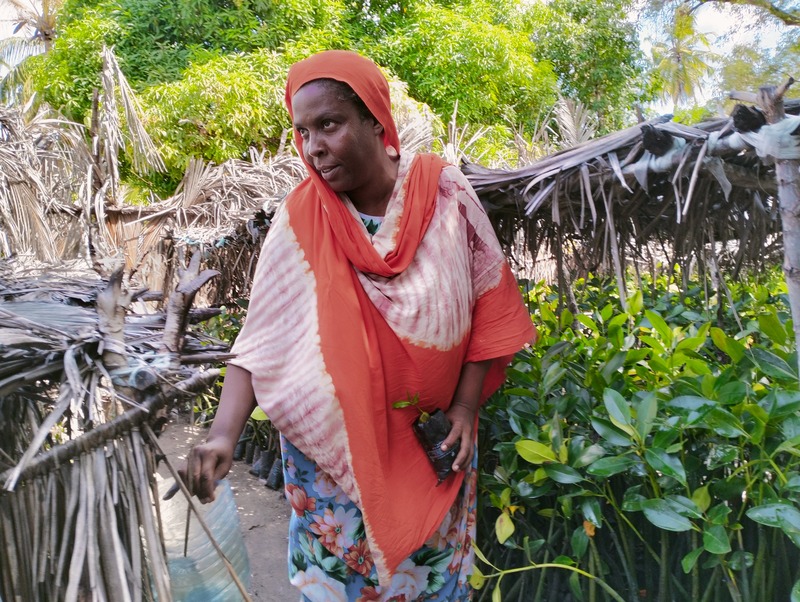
[340, 326]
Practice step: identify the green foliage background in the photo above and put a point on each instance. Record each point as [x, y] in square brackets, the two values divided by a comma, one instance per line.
[656, 450]
[210, 73]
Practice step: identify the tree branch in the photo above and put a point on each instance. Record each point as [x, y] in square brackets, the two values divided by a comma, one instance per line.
[788, 17]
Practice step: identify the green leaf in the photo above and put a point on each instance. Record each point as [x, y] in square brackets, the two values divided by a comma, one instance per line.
[606, 467]
[666, 464]
[786, 404]
[575, 587]
[589, 455]
[617, 407]
[772, 515]
[519, 392]
[771, 325]
[661, 514]
[587, 322]
[565, 560]
[646, 412]
[790, 529]
[555, 372]
[535, 452]
[702, 498]
[733, 348]
[724, 423]
[718, 515]
[504, 527]
[656, 365]
[592, 511]
[715, 539]
[691, 343]
[732, 393]
[793, 484]
[563, 474]
[795, 596]
[760, 419]
[547, 316]
[665, 437]
[740, 560]
[688, 561]
[579, 542]
[721, 454]
[617, 321]
[566, 319]
[476, 580]
[612, 365]
[684, 506]
[791, 446]
[633, 501]
[611, 433]
[497, 594]
[258, 414]
[691, 402]
[635, 302]
[658, 347]
[772, 365]
[660, 326]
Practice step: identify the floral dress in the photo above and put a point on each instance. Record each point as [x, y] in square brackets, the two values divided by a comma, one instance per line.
[329, 560]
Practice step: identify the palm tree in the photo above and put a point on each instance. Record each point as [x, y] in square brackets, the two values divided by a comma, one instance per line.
[39, 18]
[681, 62]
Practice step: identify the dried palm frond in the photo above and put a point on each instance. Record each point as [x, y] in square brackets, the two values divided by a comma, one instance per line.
[16, 85]
[575, 124]
[77, 513]
[459, 142]
[144, 154]
[629, 195]
[415, 121]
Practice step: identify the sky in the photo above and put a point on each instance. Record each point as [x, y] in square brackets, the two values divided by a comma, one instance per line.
[724, 27]
[7, 13]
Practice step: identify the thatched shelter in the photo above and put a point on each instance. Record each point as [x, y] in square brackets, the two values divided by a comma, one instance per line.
[87, 375]
[657, 192]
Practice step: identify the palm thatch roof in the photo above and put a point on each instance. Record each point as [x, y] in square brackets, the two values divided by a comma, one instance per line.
[87, 374]
[657, 191]
[222, 209]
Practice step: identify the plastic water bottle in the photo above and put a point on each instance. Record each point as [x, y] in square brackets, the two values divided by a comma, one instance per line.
[201, 575]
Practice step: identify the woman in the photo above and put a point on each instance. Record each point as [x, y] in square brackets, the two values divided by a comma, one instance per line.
[344, 321]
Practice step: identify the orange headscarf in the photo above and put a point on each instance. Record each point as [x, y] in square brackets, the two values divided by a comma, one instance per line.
[333, 334]
[371, 86]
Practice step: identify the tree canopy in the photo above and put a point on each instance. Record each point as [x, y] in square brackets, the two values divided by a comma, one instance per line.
[210, 73]
[594, 51]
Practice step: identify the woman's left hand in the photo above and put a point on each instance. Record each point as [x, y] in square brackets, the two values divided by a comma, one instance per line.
[462, 420]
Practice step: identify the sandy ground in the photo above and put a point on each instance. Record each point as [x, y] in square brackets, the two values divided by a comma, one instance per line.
[264, 516]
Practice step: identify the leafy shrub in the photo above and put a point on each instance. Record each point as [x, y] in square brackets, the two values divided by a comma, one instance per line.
[204, 112]
[655, 450]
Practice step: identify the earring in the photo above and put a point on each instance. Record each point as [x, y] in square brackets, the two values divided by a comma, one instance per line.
[392, 152]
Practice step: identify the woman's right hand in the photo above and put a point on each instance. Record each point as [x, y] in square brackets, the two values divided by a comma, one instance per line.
[207, 463]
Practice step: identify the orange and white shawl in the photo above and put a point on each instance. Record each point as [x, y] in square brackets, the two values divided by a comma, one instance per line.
[341, 325]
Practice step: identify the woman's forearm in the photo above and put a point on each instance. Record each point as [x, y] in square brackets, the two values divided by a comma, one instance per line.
[470, 384]
[464, 410]
[236, 403]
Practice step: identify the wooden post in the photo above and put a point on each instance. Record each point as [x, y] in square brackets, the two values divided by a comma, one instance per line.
[787, 172]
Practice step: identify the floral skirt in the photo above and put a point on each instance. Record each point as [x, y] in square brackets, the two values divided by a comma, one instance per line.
[330, 561]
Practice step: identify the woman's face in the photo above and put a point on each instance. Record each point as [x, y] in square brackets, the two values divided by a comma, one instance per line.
[342, 147]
